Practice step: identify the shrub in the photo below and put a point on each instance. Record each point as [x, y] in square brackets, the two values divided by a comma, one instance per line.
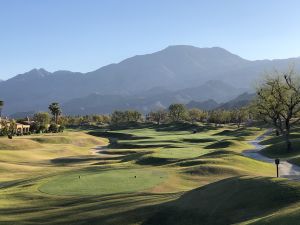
[61, 128]
[53, 128]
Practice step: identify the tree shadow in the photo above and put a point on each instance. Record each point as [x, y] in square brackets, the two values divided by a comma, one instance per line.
[199, 140]
[219, 144]
[241, 132]
[116, 135]
[122, 145]
[181, 126]
[154, 161]
[225, 202]
[77, 160]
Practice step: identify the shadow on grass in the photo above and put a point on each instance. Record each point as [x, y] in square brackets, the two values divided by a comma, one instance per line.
[224, 202]
[219, 153]
[123, 152]
[77, 160]
[154, 161]
[210, 205]
[120, 145]
[280, 150]
[229, 201]
[184, 127]
[219, 144]
[242, 132]
[191, 163]
[135, 156]
[83, 127]
[116, 135]
[278, 139]
[200, 140]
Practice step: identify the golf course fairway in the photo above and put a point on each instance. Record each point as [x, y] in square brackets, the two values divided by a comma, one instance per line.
[108, 182]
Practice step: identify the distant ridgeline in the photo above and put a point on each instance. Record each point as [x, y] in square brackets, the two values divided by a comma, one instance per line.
[199, 77]
[238, 102]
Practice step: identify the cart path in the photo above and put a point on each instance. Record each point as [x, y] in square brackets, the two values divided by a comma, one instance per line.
[286, 169]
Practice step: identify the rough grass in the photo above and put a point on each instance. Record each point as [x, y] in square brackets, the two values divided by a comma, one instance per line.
[23, 156]
[52, 140]
[226, 163]
[42, 186]
[228, 202]
[17, 144]
[278, 149]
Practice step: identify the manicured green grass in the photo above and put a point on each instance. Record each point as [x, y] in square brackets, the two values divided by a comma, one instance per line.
[97, 182]
[52, 140]
[276, 147]
[179, 177]
[168, 142]
[27, 156]
[226, 163]
[228, 202]
[279, 150]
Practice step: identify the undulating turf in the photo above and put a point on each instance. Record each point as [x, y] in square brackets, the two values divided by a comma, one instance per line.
[146, 174]
[97, 182]
[228, 201]
[275, 147]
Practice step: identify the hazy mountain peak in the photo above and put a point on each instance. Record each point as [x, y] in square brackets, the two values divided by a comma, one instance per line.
[32, 74]
[40, 71]
[191, 47]
[216, 83]
[176, 73]
[204, 105]
[206, 52]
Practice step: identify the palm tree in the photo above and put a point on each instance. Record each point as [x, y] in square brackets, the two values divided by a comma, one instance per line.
[55, 110]
[1, 107]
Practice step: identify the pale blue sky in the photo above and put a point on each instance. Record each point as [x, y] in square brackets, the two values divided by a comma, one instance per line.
[83, 35]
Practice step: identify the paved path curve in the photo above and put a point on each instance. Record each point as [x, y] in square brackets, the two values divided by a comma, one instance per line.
[286, 169]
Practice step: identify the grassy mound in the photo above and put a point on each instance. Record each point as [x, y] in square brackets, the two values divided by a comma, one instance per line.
[198, 140]
[97, 182]
[222, 163]
[228, 201]
[288, 216]
[64, 182]
[279, 150]
[278, 139]
[116, 135]
[81, 141]
[220, 144]
[52, 140]
[214, 170]
[17, 144]
[181, 126]
[241, 132]
[154, 161]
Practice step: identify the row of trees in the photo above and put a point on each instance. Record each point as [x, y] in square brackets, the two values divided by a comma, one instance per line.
[41, 121]
[127, 116]
[175, 113]
[87, 119]
[44, 122]
[278, 102]
[178, 113]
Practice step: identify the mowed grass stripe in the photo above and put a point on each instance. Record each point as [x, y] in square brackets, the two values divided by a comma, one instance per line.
[104, 183]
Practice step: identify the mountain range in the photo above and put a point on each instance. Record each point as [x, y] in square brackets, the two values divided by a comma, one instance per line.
[238, 102]
[175, 74]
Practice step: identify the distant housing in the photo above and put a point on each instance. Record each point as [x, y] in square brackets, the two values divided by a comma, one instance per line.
[19, 128]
